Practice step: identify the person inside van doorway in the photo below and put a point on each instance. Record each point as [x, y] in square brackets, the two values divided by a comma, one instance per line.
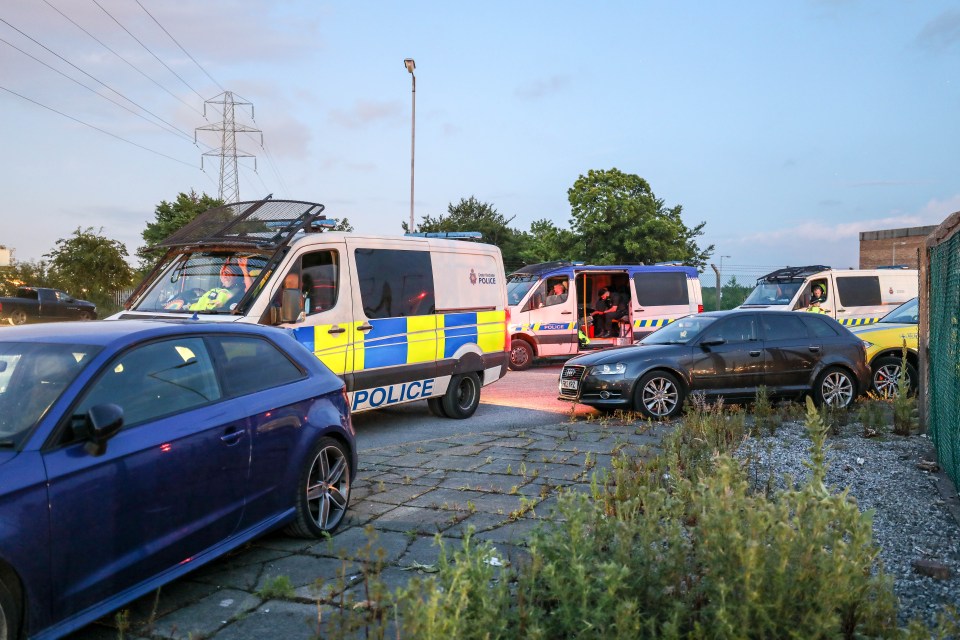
[610, 306]
[818, 296]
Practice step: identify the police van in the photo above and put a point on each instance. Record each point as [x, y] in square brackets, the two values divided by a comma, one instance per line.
[400, 319]
[851, 296]
[552, 305]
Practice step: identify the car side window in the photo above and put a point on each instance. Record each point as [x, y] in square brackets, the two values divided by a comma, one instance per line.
[777, 327]
[251, 364]
[736, 329]
[819, 326]
[155, 380]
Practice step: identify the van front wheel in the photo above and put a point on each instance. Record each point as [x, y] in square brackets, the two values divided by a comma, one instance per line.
[521, 355]
[462, 396]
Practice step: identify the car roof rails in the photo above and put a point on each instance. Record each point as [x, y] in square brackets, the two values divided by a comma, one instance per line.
[542, 267]
[450, 235]
[258, 224]
[792, 273]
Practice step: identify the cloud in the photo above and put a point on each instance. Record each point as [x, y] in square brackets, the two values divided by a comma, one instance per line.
[941, 33]
[365, 113]
[542, 88]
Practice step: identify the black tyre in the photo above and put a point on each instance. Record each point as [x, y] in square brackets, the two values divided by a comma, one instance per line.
[18, 317]
[835, 387]
[658, 395]
[521, 355]
[462, 396]
[886, 376]
[323, 491]
[436, 407]
[9, 614]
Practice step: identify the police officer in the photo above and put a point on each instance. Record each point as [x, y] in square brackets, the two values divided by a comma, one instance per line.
[817, 298]
[235, 279]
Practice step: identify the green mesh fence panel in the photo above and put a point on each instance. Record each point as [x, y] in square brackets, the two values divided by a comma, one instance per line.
[944, 408]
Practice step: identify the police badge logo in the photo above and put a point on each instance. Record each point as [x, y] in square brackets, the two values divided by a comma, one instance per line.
[473, 277]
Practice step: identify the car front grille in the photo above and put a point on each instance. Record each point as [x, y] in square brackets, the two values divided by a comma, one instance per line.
[572, 372]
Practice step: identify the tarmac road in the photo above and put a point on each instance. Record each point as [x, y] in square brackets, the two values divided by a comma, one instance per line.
[519, 400]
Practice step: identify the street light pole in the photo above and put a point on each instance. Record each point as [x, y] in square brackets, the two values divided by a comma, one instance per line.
[410, 66]
[720, 283]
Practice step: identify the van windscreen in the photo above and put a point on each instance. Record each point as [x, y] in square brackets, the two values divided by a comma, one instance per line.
[518, 284]
[780, 293]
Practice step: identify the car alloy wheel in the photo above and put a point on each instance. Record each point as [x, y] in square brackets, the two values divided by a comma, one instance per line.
[836, 388]
[18, 317]
[886, 376]
[659, 395]
[324, 490]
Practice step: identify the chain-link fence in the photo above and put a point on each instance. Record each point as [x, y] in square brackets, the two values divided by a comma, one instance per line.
[940, 343]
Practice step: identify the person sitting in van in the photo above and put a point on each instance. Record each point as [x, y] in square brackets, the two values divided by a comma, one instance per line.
[818, 297]
[235, 279]
[610, 306]
[558, 295]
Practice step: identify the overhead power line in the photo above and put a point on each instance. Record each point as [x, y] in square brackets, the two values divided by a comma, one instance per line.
[129, 33]
[181, 46]
[96, 128]
[174, 130]
[95, 79]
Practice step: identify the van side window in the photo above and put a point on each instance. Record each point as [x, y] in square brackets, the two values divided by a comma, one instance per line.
[661, 288]
[319, 281]
[859, 291]
[395, 283]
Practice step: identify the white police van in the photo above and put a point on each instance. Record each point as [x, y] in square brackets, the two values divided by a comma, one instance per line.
[400, 319]
[551, 305]
[852, 296]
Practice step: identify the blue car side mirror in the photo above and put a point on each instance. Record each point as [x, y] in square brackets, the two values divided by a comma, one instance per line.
[100, 424]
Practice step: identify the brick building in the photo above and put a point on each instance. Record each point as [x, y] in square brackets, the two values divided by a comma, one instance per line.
[892, 246]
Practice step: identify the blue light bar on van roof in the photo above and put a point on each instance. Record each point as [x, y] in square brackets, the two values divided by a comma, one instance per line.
[464, 235]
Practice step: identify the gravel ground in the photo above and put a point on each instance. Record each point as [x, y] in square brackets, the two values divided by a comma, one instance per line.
[916, 511]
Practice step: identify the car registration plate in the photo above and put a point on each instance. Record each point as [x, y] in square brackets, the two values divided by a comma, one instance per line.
[568, 384]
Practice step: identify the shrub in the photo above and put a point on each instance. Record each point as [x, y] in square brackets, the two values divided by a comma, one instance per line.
[765, 417]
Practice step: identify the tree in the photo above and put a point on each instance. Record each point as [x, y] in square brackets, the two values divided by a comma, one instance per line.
[473, 215]
[90, 265]
[170, 217]
[25, 274]
[618, 220]
[545, 242]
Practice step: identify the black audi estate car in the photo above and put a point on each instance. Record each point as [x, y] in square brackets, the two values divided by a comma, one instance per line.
[724, 354]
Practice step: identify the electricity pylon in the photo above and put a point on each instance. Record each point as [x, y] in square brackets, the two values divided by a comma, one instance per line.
[228, 152]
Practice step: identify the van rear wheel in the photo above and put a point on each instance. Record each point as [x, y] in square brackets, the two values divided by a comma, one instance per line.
[462, 396]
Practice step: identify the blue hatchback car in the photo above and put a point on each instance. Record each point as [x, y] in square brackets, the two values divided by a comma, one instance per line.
[133, 452]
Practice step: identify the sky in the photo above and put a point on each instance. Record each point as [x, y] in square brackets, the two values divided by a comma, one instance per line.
[787, 127]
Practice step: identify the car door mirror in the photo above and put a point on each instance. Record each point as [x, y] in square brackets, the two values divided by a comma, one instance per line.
[101, 423]
[712, 341]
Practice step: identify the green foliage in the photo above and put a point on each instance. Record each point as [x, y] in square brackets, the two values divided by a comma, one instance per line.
[618, 219]
[26, 274]
[905, 419]
[91, 266]
[765, 417]
[871, 415]
[170, 217]
[472, 215]
[545, 242]
[278, 588]
[733, 293]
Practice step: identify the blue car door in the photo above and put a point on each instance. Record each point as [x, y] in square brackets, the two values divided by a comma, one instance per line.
[170, 485]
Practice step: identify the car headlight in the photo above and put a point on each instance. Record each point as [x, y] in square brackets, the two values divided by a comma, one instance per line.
[866, 344]
[617, 368]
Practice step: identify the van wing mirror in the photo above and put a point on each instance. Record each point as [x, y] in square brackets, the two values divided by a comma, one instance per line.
[291, 305]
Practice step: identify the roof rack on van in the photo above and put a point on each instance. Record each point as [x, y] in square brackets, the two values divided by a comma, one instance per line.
[262, 224]
[792, 273]
[454, 235]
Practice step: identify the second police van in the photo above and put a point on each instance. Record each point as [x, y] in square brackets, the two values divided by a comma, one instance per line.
[851, 296]
[400, 318]
[545, 325]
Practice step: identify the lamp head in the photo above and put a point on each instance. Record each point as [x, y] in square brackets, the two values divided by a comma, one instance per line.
[409, 64]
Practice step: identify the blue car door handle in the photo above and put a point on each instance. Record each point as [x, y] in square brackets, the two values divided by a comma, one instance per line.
[814, 348]
[755, 353]
[231, 436]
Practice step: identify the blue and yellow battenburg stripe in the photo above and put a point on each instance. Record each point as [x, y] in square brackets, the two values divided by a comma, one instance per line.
[543, 326]
[400, 341]
[855, 322]
[662, 322]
